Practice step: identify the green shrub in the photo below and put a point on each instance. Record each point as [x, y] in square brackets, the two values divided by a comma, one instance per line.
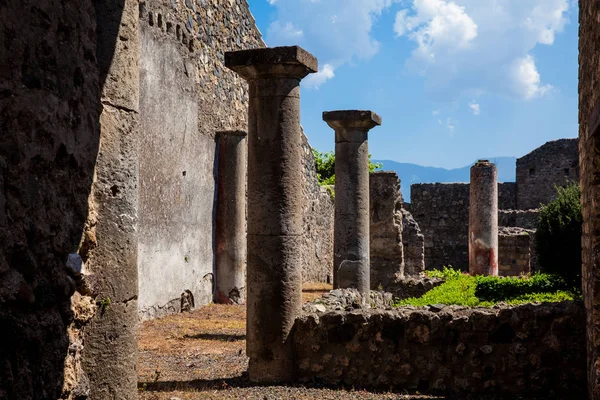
[445, 273]
[558, 236]
[457, 290]
[471, 291]
[325, 165]
[495, 288]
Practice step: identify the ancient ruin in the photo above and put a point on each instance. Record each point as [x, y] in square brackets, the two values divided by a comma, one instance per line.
[351, 230]
[442, 210]
[123, 199]
[483, 219]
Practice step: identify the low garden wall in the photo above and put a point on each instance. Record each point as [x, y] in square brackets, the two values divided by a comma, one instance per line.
[525, 350]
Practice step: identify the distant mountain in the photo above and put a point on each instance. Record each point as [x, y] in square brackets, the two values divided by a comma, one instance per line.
[413, 173]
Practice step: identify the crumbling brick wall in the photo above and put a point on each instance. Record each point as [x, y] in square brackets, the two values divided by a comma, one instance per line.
[589, 152]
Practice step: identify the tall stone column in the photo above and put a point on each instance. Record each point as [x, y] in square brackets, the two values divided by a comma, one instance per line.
[274, 275]
[351, 226]
[230, 274]
[483, 219]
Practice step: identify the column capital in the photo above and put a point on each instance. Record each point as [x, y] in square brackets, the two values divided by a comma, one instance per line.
[272, 62]
[351, 119]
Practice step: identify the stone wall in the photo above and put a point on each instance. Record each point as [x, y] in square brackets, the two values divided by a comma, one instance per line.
[50, 134]
[413, 245]
[318, 215]
[386, 249]
[514, 251]
[554, 163]
[187, 95]
[589, 151]
[529, 350]
[518, 218]
[442, 211]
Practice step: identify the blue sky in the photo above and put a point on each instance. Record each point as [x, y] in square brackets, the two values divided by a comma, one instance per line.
[453, 80]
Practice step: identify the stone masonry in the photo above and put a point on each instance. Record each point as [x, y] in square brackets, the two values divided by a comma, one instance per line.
[413, 245]
[442, 209]
[386, 246]
[554, 163]
[503, 352]
[589, 161]
[351, 229]
[483, 219]
[514, 251]
[275, 205]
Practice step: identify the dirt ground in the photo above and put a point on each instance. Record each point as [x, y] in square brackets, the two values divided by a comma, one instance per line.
[201, 355]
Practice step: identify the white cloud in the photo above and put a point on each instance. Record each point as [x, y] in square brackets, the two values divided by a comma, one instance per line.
[335, 31]
[475, 108]
[526, 78]
[286, 31]
[317, 79]
[435, 112]
[476, 46]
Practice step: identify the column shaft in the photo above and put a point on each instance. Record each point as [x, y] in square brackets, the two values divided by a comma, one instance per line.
[230, 273]
[351, 231]
[483, 219]
[351, 225]
[275, 204]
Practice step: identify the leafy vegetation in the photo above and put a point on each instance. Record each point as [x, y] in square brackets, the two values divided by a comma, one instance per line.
[558, 236]
[325, 164]
[485, 291]
[494, 288]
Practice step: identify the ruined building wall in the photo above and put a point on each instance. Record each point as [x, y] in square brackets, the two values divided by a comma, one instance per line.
[554, 163]
[386, 248]
[528, 351]
[589, 153]
[442, 211]
[49, 138]
[318, 216]
[187, 95]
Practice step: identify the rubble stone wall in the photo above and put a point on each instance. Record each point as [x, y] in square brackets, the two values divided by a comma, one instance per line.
[442, 211]
[589, 161]
[386, 247]
[413, 243]
[554, 163]
[529, 350]
[318, 215]
[514, 251]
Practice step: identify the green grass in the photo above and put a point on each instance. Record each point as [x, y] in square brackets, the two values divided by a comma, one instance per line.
[461, 289]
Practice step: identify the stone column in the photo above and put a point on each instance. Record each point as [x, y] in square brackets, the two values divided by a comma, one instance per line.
[483, 219]
[230, 273]
[351, 230]
[275, 228]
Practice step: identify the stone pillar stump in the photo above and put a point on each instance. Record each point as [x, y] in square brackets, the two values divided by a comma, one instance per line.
[275, 228]
[351, 226]
[483, 219]
[230, 271]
